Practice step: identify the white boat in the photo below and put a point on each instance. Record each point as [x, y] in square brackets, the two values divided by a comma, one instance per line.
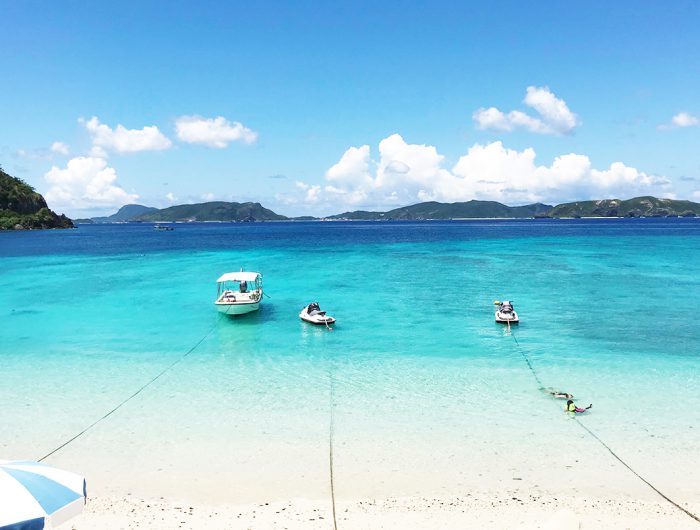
[163, 227]
[238, 293]
[312, 313]
[505, 314]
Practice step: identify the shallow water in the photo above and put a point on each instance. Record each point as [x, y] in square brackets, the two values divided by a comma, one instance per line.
[428, 394]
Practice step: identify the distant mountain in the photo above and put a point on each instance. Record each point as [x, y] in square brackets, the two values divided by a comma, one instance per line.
[359, 215]
[455, 210]
[213, 211]
[21, 207]
[637, 207]
[130, 212]
[254, 211]
[126, 213]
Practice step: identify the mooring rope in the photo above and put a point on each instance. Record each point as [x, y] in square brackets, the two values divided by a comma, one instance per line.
[596, 437]
[637, 474]
[527, 360]
[331, 435]
[132, 396]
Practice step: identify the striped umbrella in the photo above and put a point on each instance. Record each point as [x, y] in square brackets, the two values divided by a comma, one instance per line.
[35, 496]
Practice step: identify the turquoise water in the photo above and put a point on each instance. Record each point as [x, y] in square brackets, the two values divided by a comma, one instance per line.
[428, 394]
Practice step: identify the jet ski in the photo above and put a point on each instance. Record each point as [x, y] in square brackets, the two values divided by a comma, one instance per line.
[505, 313]
[312, 313]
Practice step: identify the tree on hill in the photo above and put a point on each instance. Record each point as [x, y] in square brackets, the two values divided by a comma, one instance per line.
[21, 207]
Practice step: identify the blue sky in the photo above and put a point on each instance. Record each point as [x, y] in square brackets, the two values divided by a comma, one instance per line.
[320, 108]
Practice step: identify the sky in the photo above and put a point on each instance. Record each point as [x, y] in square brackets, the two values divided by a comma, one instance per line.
[320, 108]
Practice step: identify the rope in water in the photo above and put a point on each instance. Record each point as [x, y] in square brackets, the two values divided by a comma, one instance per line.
[595, 436]
[527, 360]
[132, 396]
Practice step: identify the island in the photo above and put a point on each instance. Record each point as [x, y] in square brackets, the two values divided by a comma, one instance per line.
[455, 210]
[221, 211]
[22, 208]
[638, 207]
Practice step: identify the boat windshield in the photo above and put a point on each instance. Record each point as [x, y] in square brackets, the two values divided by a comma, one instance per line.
[239, 286]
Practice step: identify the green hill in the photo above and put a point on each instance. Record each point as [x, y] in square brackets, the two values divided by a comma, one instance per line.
[358, 215]
[637, 207]
[23, 208]
[213, 211]
[126, 213]
[455, 210]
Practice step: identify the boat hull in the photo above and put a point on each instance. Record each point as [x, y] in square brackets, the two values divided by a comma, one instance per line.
[317, 322]
[317, 319]
[237, 308]
[506, 319]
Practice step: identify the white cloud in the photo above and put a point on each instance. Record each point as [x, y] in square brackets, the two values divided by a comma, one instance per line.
[207, 196]
[554, 115]
[98, 152]
[409, 173]
[680, 120]
[312, 192]
[213, 132]
[33, 154]
[171, 198]
[123, 140]
[696, 194]
[59, 148]
[86, 182]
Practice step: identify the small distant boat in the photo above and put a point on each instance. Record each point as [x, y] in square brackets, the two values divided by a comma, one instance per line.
[312, 313]
[163, 227]
[239, 292]
[505, 314]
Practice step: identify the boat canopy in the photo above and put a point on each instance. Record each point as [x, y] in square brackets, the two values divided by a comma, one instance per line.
[239, 277]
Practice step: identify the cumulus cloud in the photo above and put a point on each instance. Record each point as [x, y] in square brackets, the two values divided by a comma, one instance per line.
[407, 173]
[59, 148]
[171, 198]
[123, 140]
[554, 115]
[680, 120]
[86, 182]
[213, 132]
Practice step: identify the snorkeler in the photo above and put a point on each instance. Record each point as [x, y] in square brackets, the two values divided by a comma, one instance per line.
[557, 393]
[571, 407]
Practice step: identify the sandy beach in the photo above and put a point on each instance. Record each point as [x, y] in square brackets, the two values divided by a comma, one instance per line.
[512, 509]
[174, 463]
[466, 483]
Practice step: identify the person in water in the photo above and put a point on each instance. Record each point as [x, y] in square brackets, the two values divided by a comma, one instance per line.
[571, 407]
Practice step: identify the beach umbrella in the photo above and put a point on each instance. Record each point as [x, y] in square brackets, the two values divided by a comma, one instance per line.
[35, 496]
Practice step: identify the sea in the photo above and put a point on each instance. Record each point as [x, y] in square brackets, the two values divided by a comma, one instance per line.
[111, 331]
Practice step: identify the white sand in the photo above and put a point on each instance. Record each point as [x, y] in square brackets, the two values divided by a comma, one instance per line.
[411, 450]
[513, 510]
[402, 472]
